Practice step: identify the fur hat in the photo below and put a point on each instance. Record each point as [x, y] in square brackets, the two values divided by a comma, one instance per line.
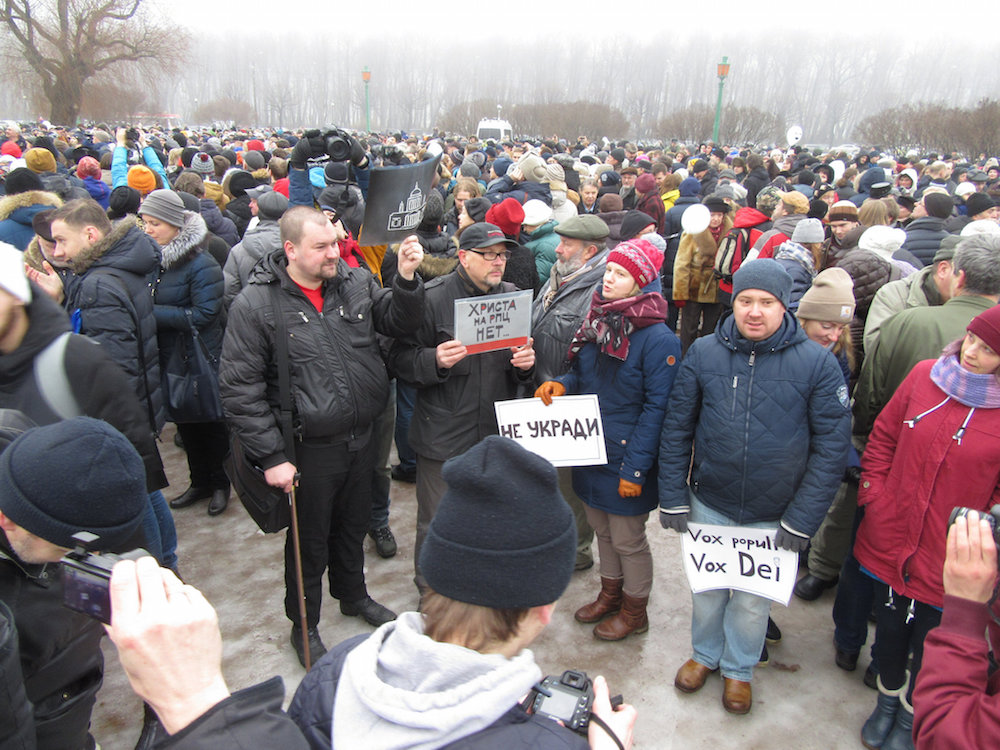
[502, 536]
[977, 203]
[938, 205]
[40, 160]
[164, 205]
[765, 274]
[21, 180]
[716, 204]
[640, 258]
[142, 179]
[100, 486]
[240, 182]
[830, 298]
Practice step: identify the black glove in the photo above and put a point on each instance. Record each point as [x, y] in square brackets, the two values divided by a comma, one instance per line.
[301, 153]
[791, 540]
[358, 154]
[676, 521]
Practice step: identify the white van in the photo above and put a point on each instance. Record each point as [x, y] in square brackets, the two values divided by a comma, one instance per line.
[491, 129]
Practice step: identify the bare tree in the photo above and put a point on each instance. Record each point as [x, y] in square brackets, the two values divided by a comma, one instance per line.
[65, 43]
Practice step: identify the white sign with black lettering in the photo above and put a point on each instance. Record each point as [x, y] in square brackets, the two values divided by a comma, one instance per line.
[569, 432]
[493, 321]
[734, 557]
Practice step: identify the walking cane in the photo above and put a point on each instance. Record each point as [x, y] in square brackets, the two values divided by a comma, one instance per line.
[297, 554]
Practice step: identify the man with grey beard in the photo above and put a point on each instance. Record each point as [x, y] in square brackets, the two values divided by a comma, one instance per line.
[561, 305]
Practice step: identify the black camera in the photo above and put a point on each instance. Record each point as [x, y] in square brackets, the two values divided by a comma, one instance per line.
[86, 576]
[568, 698]
[992, 517]
[338, 145]
[132, 135]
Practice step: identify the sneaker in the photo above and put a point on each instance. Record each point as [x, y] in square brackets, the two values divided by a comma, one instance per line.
[385, 542]
[370, 610]
[316, 647]
[773, 635]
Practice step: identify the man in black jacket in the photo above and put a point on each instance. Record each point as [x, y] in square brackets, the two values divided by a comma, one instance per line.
[455, 391]
[338, 387]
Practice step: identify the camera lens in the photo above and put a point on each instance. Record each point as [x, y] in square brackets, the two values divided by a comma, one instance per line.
[338, 148]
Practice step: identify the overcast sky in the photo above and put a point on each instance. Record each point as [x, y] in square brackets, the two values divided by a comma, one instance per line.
[589, 20]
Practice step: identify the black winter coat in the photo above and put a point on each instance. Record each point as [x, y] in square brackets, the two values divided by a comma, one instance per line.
[454, 409]
[338, 379]
[108, 298]
[757, 180]
[238, 211]
[218, 224]
[923, 238]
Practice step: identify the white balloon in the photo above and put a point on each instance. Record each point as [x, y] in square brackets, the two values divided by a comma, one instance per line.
[838, 168]
[794, 134]
[695, 218]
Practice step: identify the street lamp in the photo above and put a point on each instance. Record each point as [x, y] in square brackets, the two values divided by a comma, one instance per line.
[722, 70]
[366, 76]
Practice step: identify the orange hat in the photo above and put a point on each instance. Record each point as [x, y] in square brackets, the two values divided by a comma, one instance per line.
[142, 179]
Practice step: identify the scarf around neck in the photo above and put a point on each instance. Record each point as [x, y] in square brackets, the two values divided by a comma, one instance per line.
[610, 322]
[968, 388]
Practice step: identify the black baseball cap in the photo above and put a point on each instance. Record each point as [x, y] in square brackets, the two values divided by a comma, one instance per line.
[482, 235]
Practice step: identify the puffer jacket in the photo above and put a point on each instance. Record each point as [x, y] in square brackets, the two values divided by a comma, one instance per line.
[17, 211]
[869, 273]
[768, 423]
[262, 240]
[556, 316]
[454, 409]
[188, 291]
[217, 224]
[338, 379]
[923, 238]
[633, 399]
[107, 290]
[757, 180]
[914, 471]
[694, 280]
[543, 243]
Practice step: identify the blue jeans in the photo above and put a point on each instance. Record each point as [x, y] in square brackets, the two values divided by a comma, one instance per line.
[406, 397]
[728, 626]
[158, 525]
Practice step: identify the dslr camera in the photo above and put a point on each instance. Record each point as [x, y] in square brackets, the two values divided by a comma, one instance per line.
[992, 517]
[86, 576]
[338, 145]
[568, 698]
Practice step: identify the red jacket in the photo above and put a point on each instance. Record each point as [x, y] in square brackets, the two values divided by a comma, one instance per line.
[745, 218]
[955, 705]
[913, 477]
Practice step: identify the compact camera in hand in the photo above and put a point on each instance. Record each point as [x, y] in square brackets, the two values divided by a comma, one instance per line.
[87, 576]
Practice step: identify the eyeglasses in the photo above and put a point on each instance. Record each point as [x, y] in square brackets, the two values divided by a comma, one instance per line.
[491, 255]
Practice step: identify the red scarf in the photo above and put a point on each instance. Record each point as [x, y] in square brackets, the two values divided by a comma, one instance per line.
[610, 322]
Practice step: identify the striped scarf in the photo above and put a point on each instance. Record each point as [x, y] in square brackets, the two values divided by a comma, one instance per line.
[968, 388]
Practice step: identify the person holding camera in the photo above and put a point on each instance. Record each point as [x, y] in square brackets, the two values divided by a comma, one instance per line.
[955, 704]
[100, 488]
[498, 555]
[934, 446]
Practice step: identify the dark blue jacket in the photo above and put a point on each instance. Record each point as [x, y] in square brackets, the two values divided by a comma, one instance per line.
[16, 213]
[769, 423]
[923, 238]
[633, 397]
[524, 191]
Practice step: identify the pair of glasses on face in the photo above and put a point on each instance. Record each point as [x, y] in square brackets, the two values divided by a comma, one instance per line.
[491, 255]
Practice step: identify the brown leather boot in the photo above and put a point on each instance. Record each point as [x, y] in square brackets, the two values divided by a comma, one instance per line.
[608, 602]
[631, 619]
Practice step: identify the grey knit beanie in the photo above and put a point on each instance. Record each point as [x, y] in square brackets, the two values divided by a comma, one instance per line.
[164, 205]
[765, 274]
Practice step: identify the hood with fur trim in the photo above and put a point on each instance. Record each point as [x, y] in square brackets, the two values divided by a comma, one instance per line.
[10, 203]
[125, 246]
[187, 242]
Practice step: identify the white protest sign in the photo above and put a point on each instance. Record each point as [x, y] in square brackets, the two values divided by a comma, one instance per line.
[493, 321]
[569, 432]
[734, 557]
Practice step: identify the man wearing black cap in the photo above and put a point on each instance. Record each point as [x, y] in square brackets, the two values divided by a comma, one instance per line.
[456, 392]
[339, 386]
[100, 488]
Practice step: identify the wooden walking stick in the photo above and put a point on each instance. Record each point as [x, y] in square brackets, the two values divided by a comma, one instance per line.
[299, 585]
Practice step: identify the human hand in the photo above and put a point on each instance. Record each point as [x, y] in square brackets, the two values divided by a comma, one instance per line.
[409, 256]
[49, 281]
[970, 564]
[524, 356]
[281, 476]
[450, 353]
[549, 390]
[790, 540]
[515, 173]
[621, 721]
[676, 521]
[168, 641]
[120, 136]
[628, 489]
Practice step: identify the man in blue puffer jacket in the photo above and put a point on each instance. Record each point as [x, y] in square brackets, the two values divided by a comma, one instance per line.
[766, 414]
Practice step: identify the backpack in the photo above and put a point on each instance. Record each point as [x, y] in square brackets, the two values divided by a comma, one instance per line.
[734, 245]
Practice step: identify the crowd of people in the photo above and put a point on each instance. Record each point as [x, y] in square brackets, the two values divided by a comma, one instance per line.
[802, 342]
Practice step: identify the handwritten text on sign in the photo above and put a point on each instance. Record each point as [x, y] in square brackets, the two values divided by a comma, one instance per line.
[733, 557]
[567, 433]
[493, 321]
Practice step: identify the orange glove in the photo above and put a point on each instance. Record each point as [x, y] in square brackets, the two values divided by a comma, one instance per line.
[629, 489]
[548, 389]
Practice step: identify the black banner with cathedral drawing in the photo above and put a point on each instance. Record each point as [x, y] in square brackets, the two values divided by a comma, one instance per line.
[395, 202]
